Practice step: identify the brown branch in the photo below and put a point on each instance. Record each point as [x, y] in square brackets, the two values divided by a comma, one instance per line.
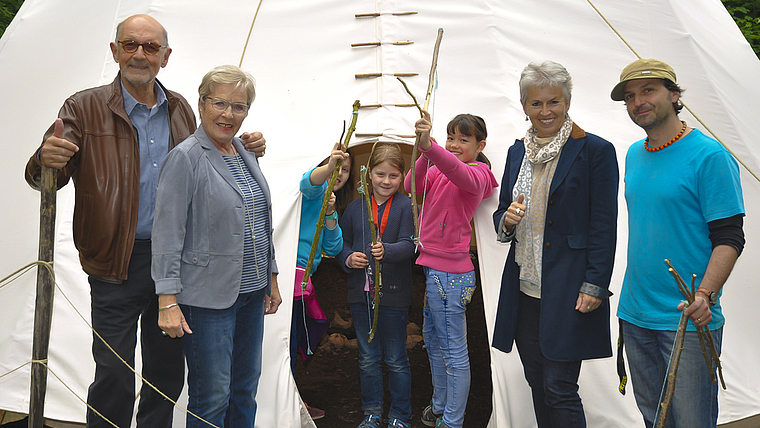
[415, 147]
[326, 198]
[373, 232]
[703, 332]
[667, 401]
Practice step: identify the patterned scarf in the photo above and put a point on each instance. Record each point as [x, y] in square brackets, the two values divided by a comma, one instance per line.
[534, 180]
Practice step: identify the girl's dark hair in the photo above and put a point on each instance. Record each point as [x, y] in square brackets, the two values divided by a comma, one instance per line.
[345, 194]
[471, 126]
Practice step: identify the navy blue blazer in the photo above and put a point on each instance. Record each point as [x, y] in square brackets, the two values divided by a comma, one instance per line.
[579, 246]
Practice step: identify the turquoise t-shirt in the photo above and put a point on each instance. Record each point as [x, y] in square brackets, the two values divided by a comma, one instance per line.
[672, 194]
[331, 240]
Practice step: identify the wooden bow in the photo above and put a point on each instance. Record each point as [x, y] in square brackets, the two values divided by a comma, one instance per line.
[364, 190]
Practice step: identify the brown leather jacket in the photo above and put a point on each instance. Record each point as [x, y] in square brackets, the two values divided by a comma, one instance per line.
[106, 173]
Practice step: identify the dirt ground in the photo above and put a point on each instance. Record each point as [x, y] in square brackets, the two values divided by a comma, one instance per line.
[330, 380]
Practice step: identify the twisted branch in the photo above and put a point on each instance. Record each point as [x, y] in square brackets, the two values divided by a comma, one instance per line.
[363, 189]
[412, 170]
[704, 336]
[326, 198]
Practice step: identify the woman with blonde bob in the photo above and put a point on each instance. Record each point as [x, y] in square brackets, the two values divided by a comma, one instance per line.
[558, 208]
[213, 255]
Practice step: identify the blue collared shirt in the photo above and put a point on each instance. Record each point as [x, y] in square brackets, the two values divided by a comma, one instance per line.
[152, 126]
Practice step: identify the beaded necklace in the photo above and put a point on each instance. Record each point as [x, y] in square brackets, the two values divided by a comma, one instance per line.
[654, 149]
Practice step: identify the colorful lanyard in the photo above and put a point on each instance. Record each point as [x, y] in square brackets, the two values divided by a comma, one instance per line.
[384, 221]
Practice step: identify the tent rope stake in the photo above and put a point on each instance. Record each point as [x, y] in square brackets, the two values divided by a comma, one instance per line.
[49, 272]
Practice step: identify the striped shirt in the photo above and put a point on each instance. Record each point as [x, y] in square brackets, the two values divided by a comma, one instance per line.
[256, 244]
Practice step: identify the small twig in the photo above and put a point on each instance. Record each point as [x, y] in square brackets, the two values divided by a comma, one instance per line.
[367, 75]
[379, 43]
[376, 14]
[416, 104]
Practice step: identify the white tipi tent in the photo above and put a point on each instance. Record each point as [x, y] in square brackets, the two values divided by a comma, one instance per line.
[301, 54]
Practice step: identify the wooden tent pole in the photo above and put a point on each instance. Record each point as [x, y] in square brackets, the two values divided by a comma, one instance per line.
[43, 311]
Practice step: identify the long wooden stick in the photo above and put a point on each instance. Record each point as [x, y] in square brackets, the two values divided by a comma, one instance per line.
[412, 170]
[326, 199]
[43, 312]
[364, 190]
[675, 358]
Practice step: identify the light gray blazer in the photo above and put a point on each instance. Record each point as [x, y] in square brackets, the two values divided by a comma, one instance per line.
[198, 226]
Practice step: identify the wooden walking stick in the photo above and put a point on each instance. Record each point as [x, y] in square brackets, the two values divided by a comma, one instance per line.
[43, 312]
[326, 199]
[705, 338]
[661, 416]
[431, 82]
[364, 190]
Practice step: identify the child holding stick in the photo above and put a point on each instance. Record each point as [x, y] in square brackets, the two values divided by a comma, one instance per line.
[309, 322]
[392, 215]
[459, 180]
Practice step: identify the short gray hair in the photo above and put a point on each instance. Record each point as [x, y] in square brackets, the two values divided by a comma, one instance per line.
[547, 74]
[224, 74]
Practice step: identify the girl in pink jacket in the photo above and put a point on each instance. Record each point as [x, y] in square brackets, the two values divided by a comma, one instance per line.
[455, 179]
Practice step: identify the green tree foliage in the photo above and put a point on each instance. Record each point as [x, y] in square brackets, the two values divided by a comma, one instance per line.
[8, 9]
[746, 13]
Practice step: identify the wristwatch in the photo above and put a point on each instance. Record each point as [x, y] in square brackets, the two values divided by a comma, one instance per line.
[712, 297]
[333, 216]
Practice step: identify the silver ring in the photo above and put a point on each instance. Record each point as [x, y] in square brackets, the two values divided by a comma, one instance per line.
[163, 332]
[588, 308]
[518, 211]
[699, 319]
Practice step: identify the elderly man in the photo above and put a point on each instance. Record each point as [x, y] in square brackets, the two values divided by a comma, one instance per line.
[684, 204]
[111, 141]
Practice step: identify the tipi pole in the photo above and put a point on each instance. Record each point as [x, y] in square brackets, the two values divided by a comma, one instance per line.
[43, 311]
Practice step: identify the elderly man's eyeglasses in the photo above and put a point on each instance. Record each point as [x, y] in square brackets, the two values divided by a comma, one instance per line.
[220, 104]
[130, 46]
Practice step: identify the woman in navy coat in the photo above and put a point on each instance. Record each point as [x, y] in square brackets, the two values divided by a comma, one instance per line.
[558, 208]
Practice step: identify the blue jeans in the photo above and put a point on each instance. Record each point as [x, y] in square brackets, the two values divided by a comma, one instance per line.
[553, 384]
[224, 361]
[390, 339]
[695, 402]
[445, 332]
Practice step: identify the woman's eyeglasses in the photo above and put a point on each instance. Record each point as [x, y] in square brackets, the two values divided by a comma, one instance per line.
[220, 104]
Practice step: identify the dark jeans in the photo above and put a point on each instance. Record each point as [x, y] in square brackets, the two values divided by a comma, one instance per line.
[116, 309]
[389, 344]
[554, 384]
